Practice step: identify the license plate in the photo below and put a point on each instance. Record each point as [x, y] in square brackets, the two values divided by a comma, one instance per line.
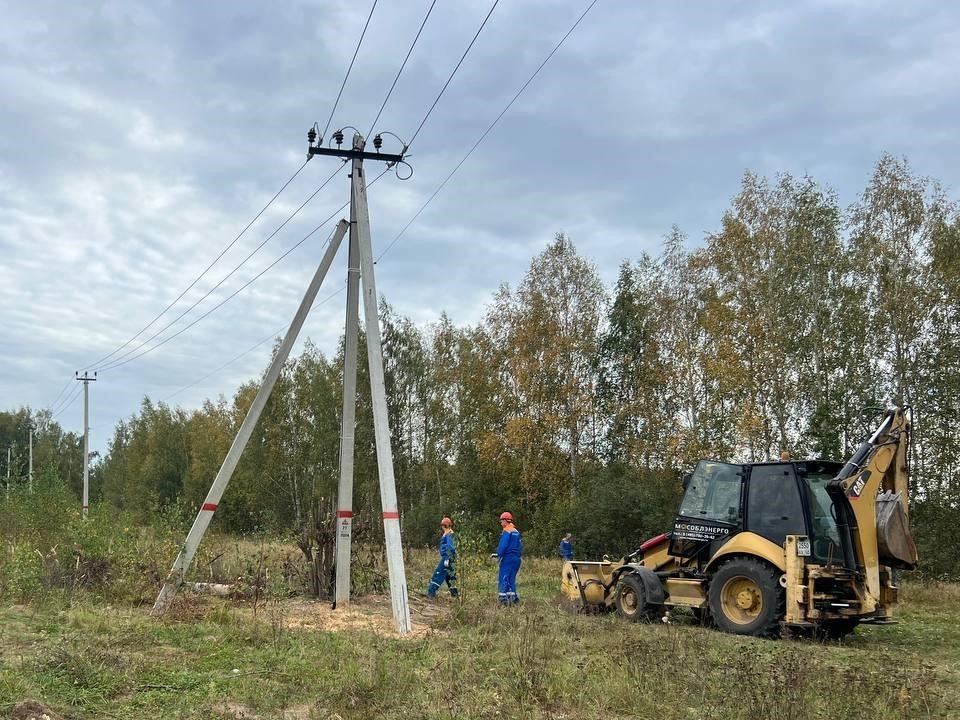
[803, 547]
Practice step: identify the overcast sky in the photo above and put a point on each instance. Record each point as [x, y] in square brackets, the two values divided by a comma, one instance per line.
[137, 139]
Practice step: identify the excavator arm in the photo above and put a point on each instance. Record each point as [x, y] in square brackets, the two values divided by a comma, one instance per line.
[871, 501]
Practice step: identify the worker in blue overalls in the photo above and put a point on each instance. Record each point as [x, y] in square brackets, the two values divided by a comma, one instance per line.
[508, 553]
[566, 547]
[445, 571]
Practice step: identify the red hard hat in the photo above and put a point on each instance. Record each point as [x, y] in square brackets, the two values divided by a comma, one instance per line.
[506, 516]
[447, 522]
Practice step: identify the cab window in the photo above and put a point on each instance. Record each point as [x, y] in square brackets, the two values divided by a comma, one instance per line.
[713, 493]
[774, 509]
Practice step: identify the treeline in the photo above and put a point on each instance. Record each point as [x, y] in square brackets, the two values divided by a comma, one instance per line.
[577, 406]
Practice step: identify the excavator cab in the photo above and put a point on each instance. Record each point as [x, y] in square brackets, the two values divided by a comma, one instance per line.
[772, 500]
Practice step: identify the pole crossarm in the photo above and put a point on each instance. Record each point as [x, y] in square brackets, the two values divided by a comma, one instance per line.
[355, 154]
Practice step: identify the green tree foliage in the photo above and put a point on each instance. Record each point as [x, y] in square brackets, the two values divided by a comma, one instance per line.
[577, 410]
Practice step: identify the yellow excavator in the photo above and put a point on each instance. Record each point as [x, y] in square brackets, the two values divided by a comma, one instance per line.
[759, 548]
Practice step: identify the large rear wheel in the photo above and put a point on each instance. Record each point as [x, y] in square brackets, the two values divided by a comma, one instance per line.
[631, 601]
[746, 598]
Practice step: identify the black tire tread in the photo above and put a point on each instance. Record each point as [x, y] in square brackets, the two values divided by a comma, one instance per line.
[645, 612]
[767, 578]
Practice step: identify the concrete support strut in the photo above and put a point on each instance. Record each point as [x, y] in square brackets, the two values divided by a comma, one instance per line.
[175, 578]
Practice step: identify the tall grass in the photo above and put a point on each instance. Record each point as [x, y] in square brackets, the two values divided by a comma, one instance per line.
[99, 655]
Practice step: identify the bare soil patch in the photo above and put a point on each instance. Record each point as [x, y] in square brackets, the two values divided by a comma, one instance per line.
[369, 614]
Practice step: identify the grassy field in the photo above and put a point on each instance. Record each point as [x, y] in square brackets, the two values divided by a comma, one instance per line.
[290, 658]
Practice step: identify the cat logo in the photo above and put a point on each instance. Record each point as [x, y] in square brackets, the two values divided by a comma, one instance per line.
[858, 485]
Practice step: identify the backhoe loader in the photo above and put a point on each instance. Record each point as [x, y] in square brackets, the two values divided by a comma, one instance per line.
[757, 548]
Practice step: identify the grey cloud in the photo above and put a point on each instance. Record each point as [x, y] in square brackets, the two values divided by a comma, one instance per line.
[137, 139]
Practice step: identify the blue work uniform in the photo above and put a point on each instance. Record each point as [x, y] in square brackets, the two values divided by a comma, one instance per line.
[445, 571]
[566, 549]
[508, 551]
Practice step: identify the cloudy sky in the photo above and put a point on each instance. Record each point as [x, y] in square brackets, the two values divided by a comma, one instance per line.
[138, 139]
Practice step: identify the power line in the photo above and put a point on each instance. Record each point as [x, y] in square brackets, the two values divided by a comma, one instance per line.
[435, 193]
[241, 288]
[73, 395]
[447, 83]
[226, 277]
[344, 84]
[226, 364]
[249, 350]
[51, 406]
[247, 227]
[205, 271]
[489, 128]
[402, 66]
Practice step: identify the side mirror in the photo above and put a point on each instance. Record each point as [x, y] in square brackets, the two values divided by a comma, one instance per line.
[687, 477]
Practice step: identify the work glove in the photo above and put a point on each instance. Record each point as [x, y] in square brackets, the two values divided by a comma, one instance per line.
[446, 563]
[493, 556]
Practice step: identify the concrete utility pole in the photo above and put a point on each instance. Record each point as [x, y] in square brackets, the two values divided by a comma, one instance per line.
[348, 418]
[86, 380]
[175, 577]
[361, 264]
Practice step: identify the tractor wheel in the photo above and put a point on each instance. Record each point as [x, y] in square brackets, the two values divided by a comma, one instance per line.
[632, 602]
[746, 598]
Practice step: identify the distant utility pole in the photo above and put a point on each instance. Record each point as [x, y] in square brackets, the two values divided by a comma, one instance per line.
[30, 466]
[8, 471]
[360, 268]
[86, 380]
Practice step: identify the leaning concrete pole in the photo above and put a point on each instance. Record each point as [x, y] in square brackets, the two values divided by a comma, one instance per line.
[381, 423]
[188, 550]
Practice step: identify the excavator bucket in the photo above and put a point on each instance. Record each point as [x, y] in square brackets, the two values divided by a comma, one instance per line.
[894, 541]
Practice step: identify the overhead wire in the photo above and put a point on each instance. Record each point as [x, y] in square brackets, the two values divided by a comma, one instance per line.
[205, 270]
[352, 60]
[483, 136]
[455, 69]
[187, 289]
[402, 66]
[243, 287]
[72, 395]
[487, 131]
[249, 350]
[55, 402]
[247, 227]
[113, 363]
[225, 365]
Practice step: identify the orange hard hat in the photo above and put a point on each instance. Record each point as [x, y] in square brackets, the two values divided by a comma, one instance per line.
[446, 522]
[506, 516]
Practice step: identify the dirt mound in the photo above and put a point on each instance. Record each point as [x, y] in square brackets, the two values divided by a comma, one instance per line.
[33, 710]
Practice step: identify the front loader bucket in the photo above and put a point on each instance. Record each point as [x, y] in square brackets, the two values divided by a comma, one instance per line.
[894, 541]
[587, 584]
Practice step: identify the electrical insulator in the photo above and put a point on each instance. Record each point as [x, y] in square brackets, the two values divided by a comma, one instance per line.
[338, 137]
[311, 135]
[378, 141]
